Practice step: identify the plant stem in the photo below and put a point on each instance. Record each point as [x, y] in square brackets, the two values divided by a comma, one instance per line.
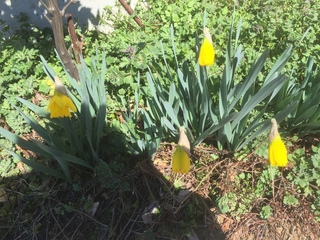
[57, 28]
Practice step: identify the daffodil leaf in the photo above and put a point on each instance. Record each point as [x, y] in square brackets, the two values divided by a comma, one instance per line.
[23, 143]
[257, 98]
[38, 110]
[173, 115]
[251, 77]
[306, 114]
[278, 66]
[38, 166]
[35, 125]
[62, 155]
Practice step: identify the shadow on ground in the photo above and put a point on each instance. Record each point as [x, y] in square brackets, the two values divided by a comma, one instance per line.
[143, 200]
[139, 204]
[15, 12]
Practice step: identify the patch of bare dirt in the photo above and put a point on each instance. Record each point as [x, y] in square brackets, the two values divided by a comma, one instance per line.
[286, 222]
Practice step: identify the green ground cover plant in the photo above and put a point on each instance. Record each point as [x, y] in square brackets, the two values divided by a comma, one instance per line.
[20, 75]
[263, 23]
[136, 91]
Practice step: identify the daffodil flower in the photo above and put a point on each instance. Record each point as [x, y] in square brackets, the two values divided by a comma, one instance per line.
[206, 55]
[51, 84]
[180, 159]
[277, 151]
[60, 104]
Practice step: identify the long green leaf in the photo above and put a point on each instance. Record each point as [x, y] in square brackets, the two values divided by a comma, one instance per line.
[257, 98]
[214, 127]
[38, 110]
[306, 114]
[170, 112]
[64, 156]
[265, 125]
[35, 125]
[39, 167]
[279, 65]
[251, 77]
[23, 143]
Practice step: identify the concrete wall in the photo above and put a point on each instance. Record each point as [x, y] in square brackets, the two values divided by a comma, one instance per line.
[85, 11]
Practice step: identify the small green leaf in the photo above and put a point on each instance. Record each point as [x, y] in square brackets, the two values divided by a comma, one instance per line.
[290, 200]
[266, 212]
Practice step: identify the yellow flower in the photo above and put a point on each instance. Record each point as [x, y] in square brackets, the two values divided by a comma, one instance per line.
[60, 104]
[277, 151]
[206, 55]
[51, 84]
[180, 160]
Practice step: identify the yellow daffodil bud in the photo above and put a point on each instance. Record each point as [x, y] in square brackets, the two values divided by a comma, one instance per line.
[180, 159]
[51, 84]
[60, 104]
[206, 55]
[277, 151]
[183, 141]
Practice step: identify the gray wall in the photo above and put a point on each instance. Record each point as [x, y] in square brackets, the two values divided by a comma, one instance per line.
[85, 12]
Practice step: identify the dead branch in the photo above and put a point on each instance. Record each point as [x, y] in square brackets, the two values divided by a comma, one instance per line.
[130, 11]
[76, 44]
[57, 27]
